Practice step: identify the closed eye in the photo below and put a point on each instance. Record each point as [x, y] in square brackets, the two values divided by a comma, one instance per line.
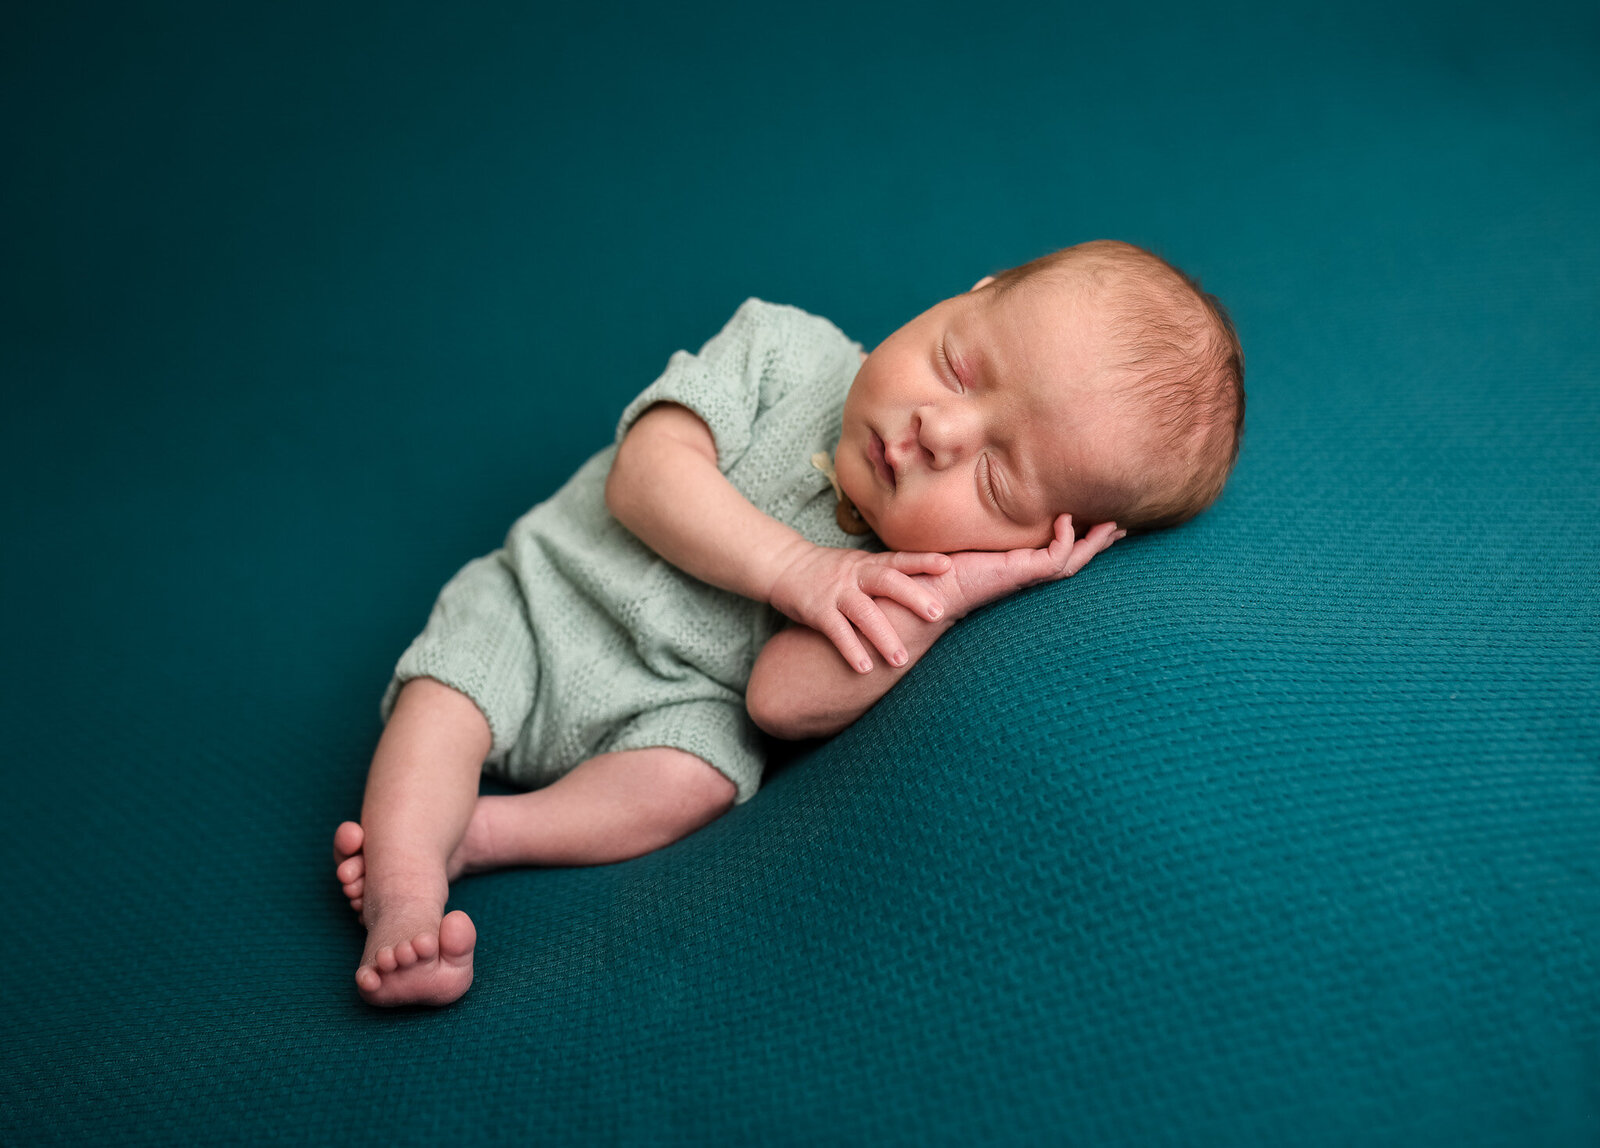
[986, 484]
[948, 370]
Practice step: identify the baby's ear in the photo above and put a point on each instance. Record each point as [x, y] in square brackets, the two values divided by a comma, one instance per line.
[982, 283]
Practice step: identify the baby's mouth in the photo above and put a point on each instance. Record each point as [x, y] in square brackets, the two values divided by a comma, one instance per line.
[880, 464]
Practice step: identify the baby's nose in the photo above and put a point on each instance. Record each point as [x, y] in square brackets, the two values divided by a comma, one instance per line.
[946, 435]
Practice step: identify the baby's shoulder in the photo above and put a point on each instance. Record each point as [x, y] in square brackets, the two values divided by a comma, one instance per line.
[790, 321]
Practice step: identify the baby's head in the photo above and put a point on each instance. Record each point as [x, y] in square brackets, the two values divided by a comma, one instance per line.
[1098, 381]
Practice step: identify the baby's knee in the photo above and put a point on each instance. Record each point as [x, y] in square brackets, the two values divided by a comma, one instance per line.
[645, 799]
[691, 791]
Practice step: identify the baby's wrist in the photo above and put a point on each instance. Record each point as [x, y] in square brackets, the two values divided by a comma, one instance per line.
[780, 561]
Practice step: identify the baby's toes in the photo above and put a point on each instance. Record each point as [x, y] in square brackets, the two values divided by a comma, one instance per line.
[351, 869]
[457, 936]
[385, 960]
[347, 840]
[354, 890]
[405, 954]
[367, 979]
[426, 946]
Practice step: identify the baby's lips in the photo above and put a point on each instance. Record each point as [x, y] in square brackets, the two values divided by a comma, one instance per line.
[878, 455]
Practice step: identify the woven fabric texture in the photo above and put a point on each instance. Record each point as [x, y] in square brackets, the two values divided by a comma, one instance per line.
[1279, 828]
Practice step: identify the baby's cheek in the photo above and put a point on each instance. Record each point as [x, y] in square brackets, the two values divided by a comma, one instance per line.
[899, 531]
[926, 526]
[948, 530]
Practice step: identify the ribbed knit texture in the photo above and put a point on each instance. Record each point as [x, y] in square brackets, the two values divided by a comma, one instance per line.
[575, 639]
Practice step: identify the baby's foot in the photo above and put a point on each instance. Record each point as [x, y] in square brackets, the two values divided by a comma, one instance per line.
[414, 955]
[430, 964]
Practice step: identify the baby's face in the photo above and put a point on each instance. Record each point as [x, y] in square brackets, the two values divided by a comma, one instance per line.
[975, 424]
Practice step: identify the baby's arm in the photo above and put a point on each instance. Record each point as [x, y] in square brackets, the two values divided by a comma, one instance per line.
[666, 488]
[799, 687]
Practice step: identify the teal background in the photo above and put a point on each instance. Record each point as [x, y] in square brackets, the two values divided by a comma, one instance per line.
[1278, 828]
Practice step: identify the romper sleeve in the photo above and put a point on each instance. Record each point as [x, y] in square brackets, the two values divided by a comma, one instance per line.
[724, 383]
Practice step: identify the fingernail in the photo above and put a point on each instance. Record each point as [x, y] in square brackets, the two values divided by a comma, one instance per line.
[864, 666]
[934, 612]
[898, 658]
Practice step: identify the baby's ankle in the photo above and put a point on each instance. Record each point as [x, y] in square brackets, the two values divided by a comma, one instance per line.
[391, 886]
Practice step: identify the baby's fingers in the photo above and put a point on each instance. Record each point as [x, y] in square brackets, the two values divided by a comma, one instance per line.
[842, 634]
[1079, 552]
[911, 594]
[870, 620]
[914, 562]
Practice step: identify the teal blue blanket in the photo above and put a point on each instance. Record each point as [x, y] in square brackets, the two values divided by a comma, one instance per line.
[1279, 828]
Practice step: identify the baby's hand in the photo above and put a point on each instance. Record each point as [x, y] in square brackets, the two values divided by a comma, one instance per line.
[832, 591]
[978, 577]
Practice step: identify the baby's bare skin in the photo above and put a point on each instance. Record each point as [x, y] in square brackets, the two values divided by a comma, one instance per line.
[423, 826]
[416, 953]
[421, 793]
[833, 696]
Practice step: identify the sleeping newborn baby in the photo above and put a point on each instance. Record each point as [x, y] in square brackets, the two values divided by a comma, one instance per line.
[619, 656]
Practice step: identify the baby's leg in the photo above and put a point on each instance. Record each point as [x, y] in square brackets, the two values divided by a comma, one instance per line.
[610, 808]
[421, 792]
